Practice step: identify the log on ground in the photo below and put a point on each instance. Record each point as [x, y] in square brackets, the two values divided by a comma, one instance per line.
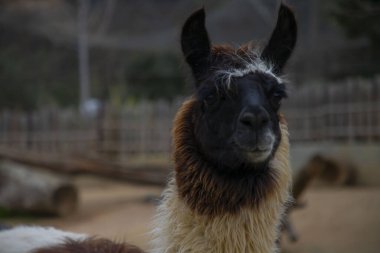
[35, 190]
[151, 174]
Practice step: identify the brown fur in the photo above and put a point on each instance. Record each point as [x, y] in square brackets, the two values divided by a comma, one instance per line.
[90, 245]
[228, 50]
[226, 56]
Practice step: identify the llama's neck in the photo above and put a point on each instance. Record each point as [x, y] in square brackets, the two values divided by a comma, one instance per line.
[201, 214]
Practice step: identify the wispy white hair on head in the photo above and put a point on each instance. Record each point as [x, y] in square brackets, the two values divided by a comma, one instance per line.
[251, 65]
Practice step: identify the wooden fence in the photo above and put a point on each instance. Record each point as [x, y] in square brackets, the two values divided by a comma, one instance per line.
[348, 111]
[133, 131]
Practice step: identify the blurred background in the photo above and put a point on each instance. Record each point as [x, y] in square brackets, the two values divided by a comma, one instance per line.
[89, 89]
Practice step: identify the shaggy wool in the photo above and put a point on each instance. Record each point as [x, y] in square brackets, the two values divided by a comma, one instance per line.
[181, 227]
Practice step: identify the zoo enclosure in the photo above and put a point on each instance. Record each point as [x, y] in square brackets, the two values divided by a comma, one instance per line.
[342, 112]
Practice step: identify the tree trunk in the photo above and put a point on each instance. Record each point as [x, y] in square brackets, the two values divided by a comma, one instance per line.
[27, 189]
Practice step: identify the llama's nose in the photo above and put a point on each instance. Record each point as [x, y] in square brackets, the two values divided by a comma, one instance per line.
[256, 119]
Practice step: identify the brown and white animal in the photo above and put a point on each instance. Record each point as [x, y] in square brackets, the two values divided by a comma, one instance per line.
[232, 176]
[231, 180]
[34, 239]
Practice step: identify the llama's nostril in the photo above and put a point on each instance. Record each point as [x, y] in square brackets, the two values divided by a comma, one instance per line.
[255, 120]
[248, 119]
[264, 120]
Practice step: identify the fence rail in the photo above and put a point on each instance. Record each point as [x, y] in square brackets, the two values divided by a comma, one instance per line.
[342, 112]
[347, 112]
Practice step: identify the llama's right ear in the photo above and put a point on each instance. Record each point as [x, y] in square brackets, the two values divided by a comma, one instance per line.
[196, 44]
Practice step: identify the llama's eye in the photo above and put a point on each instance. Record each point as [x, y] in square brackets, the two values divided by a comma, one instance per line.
[276, 100]
[277, 95]
[211, 99]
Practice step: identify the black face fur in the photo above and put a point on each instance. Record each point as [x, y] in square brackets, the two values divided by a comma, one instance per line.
[237, 127]
[236, 124]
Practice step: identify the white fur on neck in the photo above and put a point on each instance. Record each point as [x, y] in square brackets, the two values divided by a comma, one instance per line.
[26, 239]
[178, 230]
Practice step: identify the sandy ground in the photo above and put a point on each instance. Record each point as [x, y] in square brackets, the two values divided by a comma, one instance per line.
[338, 220]
[335, 220]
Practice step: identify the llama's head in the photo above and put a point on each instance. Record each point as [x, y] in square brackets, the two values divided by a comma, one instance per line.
[238, 93]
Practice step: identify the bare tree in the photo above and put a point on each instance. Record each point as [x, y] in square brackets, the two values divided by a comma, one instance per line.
[83, 54]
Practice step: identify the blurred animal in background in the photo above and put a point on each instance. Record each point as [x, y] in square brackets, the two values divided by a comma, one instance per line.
[319, 169]
[28, 239]
[232, 176]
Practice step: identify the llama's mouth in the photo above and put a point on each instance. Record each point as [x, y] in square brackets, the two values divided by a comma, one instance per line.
[255, 154]
[256, 151]
[258, 155]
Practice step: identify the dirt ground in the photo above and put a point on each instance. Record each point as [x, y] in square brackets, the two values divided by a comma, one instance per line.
[335, 220]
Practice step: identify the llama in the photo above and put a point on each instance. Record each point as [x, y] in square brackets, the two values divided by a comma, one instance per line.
[231, 178]
[231, 174]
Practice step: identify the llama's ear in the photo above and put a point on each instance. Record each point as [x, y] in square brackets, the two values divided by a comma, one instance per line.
[196, 44]
[283, 39]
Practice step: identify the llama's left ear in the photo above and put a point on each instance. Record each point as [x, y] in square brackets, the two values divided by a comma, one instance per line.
[196, 44]
[282, 41]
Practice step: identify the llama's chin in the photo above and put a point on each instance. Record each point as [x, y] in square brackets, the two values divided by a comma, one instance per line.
[257, 152]
[258, 156]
